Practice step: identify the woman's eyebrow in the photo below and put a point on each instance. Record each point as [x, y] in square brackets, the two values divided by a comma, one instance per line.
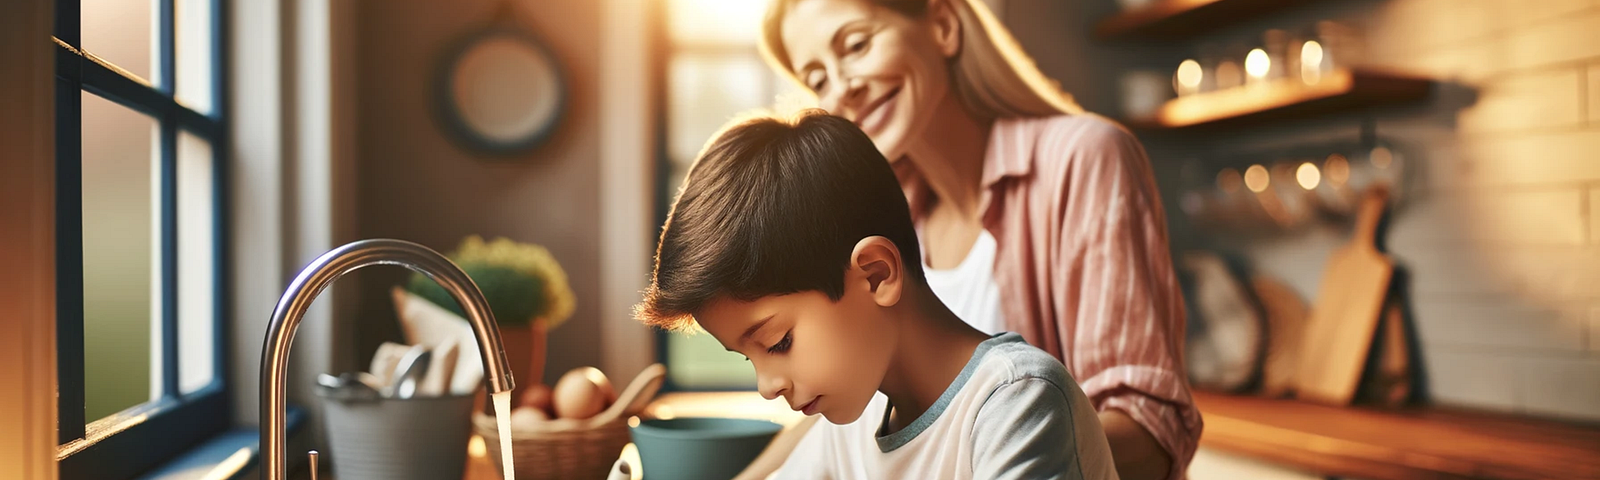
[833, 42]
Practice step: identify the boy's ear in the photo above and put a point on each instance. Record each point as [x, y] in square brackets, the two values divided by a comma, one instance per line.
[876, 261]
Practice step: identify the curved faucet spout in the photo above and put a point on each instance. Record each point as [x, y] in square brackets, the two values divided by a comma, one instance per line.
[315, 278]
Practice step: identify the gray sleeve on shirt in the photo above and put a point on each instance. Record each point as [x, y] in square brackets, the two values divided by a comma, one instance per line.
[1025, 431]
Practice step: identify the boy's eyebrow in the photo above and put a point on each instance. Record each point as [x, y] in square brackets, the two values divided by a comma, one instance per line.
[749, 332]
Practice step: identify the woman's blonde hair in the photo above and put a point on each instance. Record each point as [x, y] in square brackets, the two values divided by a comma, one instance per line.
[991, 73]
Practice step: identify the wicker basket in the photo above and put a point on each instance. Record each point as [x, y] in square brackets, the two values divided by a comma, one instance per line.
[580, 453]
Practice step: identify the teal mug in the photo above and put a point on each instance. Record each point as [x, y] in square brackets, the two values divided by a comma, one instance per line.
[700, 448]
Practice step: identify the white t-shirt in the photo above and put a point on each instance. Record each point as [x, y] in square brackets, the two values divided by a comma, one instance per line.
[1013, 413]
[969, 289]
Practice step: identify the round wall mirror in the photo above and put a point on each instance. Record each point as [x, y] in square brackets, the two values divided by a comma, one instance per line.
[500, 91]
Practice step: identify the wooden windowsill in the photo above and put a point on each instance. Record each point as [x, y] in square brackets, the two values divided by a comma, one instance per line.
[1415, 443]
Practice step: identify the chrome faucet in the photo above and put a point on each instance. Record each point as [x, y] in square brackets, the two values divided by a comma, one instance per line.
[322, 272]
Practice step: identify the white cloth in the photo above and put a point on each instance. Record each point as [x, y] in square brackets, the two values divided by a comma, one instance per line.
[1013, 413]
[969, 289]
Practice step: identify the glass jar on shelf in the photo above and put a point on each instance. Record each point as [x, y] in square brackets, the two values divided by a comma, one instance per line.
[1229, 69]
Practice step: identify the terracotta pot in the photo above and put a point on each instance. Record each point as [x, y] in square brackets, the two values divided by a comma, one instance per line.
[525, 351]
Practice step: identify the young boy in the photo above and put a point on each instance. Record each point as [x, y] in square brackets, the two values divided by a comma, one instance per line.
[792, 244]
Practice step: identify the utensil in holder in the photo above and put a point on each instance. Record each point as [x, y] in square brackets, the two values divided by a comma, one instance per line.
[419, 438]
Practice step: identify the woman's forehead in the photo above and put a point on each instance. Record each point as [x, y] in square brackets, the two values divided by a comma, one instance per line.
[809, 26]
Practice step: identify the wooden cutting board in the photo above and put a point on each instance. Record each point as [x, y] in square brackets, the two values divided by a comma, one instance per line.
[1345, 316]
[1286, 320]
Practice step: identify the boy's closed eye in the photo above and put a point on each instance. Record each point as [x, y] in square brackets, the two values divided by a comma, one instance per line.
[781, 346]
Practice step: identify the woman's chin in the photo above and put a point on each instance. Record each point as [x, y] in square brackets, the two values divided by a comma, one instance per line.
[891, 145]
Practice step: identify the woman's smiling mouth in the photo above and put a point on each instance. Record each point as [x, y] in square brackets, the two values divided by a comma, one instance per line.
[876, 115]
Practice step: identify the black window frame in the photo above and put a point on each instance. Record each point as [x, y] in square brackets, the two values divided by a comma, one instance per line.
[142, 438]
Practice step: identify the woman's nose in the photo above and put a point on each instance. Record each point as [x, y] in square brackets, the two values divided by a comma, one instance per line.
[846, 98]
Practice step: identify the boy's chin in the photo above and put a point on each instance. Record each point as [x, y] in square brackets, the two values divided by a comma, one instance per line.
[844, 416]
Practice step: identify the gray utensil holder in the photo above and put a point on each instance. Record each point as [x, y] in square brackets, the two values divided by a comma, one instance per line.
[393, 439]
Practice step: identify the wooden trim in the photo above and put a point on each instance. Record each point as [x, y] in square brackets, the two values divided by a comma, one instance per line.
[628, 87]
[27, 231]
[255, 102]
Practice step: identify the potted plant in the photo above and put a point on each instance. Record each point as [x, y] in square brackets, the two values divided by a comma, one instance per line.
[526, 289]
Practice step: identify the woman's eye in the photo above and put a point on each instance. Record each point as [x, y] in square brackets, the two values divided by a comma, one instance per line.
[816, 86]
[782, 345]
[854, 44]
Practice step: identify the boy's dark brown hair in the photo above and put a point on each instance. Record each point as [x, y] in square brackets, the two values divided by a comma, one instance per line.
[775, 206]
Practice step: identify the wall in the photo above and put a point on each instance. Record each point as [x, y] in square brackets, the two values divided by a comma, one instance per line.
[414, 183]
[1500, 226]
[27, 232]
[1505, 242]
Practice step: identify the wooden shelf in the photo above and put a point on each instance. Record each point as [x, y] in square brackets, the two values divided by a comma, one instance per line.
[1419, 443]
[1170, 19]
[1340, 90]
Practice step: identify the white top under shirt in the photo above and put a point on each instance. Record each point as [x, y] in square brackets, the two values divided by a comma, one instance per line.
[1012, 413]
[969, 289]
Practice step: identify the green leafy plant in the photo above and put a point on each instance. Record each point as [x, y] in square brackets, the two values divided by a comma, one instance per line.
[522, 282]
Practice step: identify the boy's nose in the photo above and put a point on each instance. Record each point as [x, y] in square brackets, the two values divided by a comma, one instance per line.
[771, 386]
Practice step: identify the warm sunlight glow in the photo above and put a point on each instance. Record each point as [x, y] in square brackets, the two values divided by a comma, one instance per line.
[1308, 176]
[1257, 64]
[229, 467]
[715, 21]
[1256, 178]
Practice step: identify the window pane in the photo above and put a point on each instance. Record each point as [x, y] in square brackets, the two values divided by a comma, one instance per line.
[736, 22]
[121, 282]
[705, 91]
[123, 33]
[698, 361]
[196, 274]
[194, 49]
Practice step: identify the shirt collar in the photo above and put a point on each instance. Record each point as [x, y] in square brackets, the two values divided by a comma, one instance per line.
[1009, 155]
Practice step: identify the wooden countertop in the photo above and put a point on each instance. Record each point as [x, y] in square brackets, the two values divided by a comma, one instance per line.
[1414, 443]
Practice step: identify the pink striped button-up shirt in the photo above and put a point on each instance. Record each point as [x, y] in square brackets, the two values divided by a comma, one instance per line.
[1083, 266]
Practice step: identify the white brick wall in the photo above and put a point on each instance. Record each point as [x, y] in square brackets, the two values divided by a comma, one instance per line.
[1501, 230]
[1502, 234]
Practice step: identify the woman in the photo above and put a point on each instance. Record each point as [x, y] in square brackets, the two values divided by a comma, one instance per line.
[1035, 217]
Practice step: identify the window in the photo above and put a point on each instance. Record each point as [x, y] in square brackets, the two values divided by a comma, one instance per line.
[713, 72]
[140, 213]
